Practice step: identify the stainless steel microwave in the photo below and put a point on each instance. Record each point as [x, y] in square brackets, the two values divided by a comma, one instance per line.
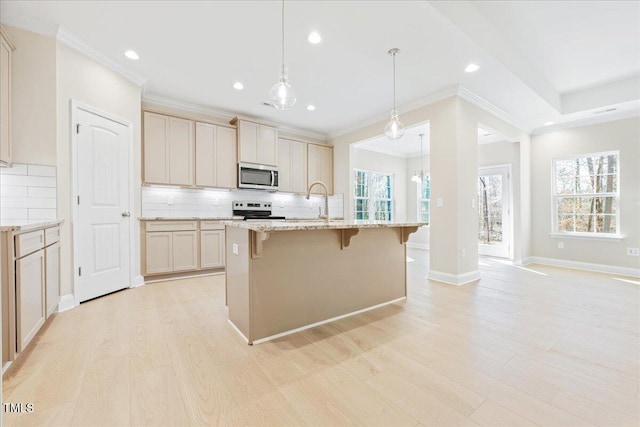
[257, 177]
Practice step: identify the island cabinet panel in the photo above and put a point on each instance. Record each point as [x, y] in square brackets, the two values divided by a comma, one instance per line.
[292, 166]
[185, 250]
[30, 297]
[215, 156]
[168, 144]
[257, 143]
[320, 166]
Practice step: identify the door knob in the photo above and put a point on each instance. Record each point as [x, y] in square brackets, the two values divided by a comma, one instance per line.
[126, 214]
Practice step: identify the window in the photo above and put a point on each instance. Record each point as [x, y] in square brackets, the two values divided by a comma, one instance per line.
[586, 193]
[373, 195]
[424, 196]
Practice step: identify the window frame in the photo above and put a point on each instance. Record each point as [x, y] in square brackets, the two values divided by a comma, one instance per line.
[555, 197]
[421, 200]
[370, 199]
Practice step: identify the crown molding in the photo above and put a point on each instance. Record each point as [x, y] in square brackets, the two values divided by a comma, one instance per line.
[75, 43]
[414, 105]
[476, 100]
[28, 23]
[227, 115]
[593, 120]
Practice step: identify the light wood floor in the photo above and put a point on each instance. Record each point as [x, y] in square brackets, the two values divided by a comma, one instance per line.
[538, 346]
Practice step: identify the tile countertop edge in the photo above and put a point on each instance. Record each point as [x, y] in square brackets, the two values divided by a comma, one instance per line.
[268, 226]
[31, 227]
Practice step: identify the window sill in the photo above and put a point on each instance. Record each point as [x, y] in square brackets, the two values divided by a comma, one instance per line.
[587, 236]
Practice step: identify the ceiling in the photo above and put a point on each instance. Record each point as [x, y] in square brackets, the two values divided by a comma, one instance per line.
[539, 61]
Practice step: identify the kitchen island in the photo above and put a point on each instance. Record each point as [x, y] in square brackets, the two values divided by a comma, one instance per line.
[282, 277]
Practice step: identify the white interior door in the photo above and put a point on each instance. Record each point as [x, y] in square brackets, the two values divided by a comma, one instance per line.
[103, 205]
[494, 222]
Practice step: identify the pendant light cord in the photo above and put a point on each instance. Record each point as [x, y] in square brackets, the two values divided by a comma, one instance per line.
[394, 83]
[283, 33]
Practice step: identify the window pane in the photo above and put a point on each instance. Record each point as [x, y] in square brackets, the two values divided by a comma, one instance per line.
[566, 205]
[606, 205]
[424, 211]
[566, 223]
[606, 183]
[584, 205]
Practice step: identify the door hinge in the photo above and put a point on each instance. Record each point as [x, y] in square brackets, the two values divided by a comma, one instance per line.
[79, 271]
[78, 128]
[78, 199]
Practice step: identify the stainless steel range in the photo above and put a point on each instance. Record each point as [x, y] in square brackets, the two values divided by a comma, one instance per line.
[254, 211]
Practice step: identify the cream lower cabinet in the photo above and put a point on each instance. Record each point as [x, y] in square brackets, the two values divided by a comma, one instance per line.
[52, 276]
[211, 245]
[182, 246]
[30, 297]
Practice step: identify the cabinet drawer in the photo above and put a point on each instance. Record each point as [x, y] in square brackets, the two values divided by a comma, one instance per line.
[211, 225]
[29, 242]
[171, 225]
[51, 235]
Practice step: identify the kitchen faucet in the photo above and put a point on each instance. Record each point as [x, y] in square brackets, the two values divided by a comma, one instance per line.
[326, 198]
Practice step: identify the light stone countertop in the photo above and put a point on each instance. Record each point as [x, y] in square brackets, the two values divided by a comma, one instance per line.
[267, 226]
[190, 218]
[23, 228]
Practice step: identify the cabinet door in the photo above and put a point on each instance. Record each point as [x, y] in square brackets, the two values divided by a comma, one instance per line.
[180, 151]
[284, 164]
[159, 252]
[320, 166]
[30, 298]
[268, 146]
[52, 277]
[205, 155]
[226, 163]
[298, 167]
[211, 249]
[185, 250]
[248, 136]
[5, 102]
[155, 143]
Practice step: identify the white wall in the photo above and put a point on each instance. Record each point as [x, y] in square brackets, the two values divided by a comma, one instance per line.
[378, 162]
[623, 135]
[82, 79]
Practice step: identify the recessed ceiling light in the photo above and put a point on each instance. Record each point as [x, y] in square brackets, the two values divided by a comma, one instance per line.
[472, 68]
[314, 37]
[311, 107]
[549, 123]
[131, 54]
[238, 86]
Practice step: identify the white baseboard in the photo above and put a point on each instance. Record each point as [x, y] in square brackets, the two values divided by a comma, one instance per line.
[423, 246]
[67, 302]
[138, 280]
[188, 276]
[454, 279]
[577, 265]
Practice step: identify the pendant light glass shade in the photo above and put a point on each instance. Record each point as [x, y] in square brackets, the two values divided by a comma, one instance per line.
[282, 95]
[394, 129]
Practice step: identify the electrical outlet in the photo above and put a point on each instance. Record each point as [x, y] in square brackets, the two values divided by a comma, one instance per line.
[170, 200]
[633, 251]
[282, 203]
[473, 203]
[439, 203]
[235, 249]
[560, 245]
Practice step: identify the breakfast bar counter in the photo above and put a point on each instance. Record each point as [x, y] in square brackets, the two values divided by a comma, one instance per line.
[282, 277]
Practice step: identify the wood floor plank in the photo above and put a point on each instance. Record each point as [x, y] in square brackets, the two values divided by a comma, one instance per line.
[155, 398]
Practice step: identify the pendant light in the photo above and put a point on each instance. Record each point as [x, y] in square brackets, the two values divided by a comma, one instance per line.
[418, 178]
[282, 95]
[394, 129]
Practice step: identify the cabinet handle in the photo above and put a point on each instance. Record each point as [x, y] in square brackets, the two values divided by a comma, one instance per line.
[126, 214]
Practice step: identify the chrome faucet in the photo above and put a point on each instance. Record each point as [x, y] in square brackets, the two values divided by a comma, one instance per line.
[326, 198]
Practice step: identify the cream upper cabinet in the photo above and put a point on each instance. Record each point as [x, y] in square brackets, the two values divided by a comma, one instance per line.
[168, 150]
[257, 143]
[292, 166]
[6, 48]
[215, 156]
[320, 166]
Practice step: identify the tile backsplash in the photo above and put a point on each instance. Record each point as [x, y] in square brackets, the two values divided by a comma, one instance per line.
[173, 202]
[27, 194]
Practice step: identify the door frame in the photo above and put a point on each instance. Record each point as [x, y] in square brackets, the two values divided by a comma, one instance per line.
[511, 222]
[75, 107]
